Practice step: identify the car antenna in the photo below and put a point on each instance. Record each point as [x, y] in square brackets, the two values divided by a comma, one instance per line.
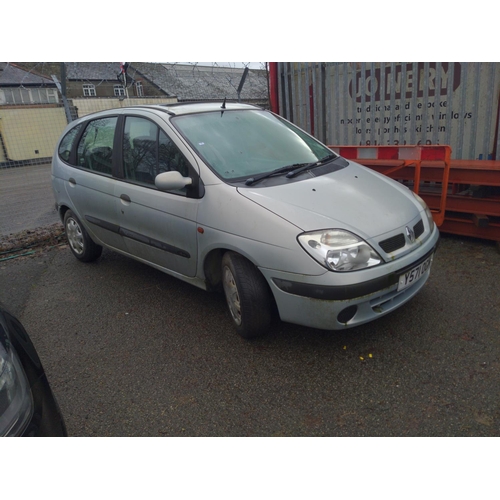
[223, 107]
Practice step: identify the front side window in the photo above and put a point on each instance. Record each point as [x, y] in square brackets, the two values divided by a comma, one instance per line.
[95, 149]
[242, 143]
[148, 151]
[140, 144]
[89, 90]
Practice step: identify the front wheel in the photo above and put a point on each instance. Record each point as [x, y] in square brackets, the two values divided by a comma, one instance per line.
[80, 243]
[247, 295]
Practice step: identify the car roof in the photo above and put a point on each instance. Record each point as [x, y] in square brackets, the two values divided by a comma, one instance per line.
[182, 108]
[178, 108]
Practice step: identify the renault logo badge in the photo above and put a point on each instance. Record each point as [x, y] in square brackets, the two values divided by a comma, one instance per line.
[410, 234]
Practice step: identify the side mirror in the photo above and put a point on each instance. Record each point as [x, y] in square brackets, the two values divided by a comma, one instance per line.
[168, 181]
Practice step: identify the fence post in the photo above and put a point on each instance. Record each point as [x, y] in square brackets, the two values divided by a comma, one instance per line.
[62, 91]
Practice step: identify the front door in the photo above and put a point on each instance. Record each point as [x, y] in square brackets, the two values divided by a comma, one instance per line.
[158, 227]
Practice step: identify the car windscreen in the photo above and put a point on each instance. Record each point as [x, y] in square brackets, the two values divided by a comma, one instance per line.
[237, 144]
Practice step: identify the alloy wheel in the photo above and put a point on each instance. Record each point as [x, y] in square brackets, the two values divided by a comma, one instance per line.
[232, 296]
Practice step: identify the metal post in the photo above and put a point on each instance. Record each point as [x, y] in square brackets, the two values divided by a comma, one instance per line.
[69, 119]
[242, 82]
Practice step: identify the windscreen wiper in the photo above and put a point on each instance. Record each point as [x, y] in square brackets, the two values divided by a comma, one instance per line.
[313, 164]
[281, 170]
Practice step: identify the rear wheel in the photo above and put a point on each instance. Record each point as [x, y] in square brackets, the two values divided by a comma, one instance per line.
[80, 243]
[247, 295]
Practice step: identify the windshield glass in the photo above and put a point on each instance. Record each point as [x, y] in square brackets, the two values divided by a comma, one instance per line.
[242, 143]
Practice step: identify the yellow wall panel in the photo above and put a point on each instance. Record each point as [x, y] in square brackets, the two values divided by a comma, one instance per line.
[30, 133]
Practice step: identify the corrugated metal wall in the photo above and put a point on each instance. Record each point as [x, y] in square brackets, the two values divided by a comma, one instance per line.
[396, 103]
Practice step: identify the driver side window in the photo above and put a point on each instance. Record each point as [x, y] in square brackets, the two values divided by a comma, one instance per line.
[148, 151]
[140, 150]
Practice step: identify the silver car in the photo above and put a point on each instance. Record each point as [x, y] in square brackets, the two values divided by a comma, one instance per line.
[233, 197]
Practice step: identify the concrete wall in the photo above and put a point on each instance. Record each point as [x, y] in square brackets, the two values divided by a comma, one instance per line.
[30, 132]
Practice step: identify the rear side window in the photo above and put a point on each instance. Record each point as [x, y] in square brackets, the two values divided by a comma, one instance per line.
[66, 144]
[95, 149]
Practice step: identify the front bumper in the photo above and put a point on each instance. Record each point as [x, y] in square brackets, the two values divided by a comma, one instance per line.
[322, 302]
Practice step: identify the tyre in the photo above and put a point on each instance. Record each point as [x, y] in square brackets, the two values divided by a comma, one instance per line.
[247, 295]
[80, 243]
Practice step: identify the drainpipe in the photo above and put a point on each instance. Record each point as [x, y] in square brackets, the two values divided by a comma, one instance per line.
[273, 87]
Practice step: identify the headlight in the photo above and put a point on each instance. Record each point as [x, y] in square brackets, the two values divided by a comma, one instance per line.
[428, 213]
[16, 404]
[339, 250]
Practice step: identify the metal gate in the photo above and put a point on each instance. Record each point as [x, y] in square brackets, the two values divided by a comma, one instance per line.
[454, 104]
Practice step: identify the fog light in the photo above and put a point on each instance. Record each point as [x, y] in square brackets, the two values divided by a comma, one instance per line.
[347, 314]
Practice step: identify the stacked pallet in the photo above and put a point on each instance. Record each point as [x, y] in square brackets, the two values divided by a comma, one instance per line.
[470, 190]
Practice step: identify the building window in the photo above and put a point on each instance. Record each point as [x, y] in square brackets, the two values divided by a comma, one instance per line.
[119, 90]
[89, 90]
[139, 89]
[28, 96]
[52, 95]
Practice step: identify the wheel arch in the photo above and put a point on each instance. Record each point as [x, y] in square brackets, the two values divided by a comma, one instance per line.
[212, 268]
[62, 209]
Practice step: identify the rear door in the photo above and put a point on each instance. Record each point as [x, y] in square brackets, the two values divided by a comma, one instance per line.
[91, 186]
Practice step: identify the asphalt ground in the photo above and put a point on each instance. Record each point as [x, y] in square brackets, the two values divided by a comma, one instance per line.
[26, 199]
[130, 351]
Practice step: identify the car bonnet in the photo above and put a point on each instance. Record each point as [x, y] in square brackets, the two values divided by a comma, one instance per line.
[354, 198]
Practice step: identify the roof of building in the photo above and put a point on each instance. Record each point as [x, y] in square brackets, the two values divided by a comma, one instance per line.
[12, 75]
[193, 82]
[187, 82]
[92, 70]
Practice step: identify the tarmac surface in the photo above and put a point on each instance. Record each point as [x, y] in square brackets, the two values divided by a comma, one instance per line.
[26, 199]
[130, 351]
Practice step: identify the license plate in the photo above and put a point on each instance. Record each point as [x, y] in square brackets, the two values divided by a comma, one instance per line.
[413, 275]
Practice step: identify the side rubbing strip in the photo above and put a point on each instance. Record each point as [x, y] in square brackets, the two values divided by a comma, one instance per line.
[137, 237]
[114, 228]
[154, 243]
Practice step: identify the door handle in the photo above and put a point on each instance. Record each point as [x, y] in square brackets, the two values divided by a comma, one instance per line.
[72, 181]
[125, 198]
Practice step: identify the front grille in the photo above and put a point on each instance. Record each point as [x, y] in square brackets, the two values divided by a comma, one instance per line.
[418, 228]
[399, 241]
[393, 243]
